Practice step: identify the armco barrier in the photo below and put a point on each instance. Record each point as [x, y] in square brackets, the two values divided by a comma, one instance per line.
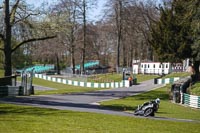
[124, 83]
[165, 80]
[190, 100]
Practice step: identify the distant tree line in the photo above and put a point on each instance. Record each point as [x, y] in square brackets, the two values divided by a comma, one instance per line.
[62, 34]
[118, 38]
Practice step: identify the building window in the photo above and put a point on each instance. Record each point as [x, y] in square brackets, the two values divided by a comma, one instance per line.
[154, 66]
[166, 65]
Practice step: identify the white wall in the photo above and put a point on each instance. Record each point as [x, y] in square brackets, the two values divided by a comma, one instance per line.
[135, 68]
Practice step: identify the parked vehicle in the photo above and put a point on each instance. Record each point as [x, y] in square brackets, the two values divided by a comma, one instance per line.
[148, 108]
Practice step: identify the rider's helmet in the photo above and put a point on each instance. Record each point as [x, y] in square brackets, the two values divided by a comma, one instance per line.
[157, 100]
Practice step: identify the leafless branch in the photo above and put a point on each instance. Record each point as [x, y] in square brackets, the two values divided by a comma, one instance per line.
[32, 40]
[24, 18]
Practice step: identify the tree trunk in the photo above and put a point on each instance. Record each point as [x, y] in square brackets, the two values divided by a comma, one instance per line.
[57, 64]
[119, 31]
[131, 55]
[124, 55]
[7, 42]
[73, 60]
[72, 42]
[196, 68]
[84, 37]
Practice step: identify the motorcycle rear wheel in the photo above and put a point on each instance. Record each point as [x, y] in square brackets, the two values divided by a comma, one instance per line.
[148, 112]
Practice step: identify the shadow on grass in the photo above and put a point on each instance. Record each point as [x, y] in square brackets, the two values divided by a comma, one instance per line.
[25, 110]
[44, 103]
[119, 107]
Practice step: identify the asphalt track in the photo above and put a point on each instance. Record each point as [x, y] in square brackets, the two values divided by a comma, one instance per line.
[89, 101]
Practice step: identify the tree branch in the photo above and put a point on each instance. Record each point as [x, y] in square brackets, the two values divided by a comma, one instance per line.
[32, 40]
[31, 14]
[13, 12]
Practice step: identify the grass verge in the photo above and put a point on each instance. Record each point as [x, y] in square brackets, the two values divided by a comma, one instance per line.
[167, 108]
[195, 89]
[23, 119]
[110, 77]
[141, 77]
[177, 74]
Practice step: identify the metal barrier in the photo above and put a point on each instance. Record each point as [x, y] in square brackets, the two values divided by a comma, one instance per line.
[26, 83]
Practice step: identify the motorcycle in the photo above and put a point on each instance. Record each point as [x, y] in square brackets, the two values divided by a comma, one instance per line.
[148, 108]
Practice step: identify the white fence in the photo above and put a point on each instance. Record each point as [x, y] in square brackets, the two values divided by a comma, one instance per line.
[190, 100]
[124, 83]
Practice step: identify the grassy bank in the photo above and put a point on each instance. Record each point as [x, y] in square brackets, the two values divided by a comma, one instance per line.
[195, 89]
[118, 77]
[177, 74]
[59, 88]
[21, 119]
[107, 78]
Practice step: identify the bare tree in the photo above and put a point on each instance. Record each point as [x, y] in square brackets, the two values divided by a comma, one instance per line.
[69, 24]
[86, 4]
[131, 20]
[14, 13]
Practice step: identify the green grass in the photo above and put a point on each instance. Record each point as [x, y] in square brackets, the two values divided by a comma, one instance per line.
[24, 119]
[195, 89]
[1, 73]
[178, 74]
[59, 88]
[167, 108]
[141, 77]
[100, 78]
[118, 78]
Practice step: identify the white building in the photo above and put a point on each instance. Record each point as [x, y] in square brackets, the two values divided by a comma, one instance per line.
[152, 68]
[158, 67]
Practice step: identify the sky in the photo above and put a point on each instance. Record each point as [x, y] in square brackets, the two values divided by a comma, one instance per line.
[94, 14]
